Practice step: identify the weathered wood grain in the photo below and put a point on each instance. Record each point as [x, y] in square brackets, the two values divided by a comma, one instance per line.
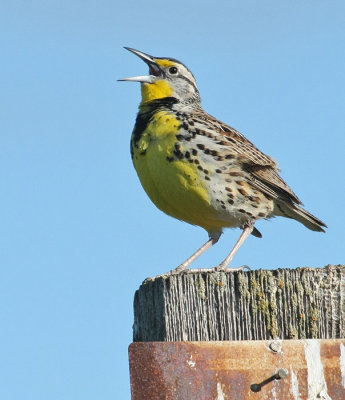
[252, 305]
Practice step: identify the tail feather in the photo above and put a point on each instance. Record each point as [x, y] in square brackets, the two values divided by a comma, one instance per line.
[300, 214]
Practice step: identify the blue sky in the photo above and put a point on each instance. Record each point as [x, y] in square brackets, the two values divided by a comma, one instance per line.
[78, 234]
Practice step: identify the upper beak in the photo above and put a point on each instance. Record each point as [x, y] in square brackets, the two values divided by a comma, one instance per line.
[154, 68]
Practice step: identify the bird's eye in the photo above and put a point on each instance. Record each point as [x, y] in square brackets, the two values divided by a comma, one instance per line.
[173, 70]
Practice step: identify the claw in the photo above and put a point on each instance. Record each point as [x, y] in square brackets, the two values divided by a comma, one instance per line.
[221, 268]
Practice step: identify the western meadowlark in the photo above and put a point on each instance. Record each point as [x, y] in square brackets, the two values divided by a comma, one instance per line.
[200, 170]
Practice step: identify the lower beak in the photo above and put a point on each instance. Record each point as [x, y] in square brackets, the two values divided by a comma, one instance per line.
[155, 70]
[143, 79]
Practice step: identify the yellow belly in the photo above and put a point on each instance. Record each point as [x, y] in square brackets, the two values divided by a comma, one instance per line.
[175, 186]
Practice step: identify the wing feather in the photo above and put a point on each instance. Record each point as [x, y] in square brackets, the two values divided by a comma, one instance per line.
[262, 169]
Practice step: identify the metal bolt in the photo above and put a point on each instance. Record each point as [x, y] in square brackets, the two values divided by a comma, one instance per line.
[280, 374]
[276, 346]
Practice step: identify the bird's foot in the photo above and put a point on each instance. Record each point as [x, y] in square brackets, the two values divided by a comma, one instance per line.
[160, 276]
[226, 268]
[177, 271]
[174, 272]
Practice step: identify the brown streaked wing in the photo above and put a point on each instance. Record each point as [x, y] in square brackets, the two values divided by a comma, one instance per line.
[245, 150]
[263, 169]
[268, 180]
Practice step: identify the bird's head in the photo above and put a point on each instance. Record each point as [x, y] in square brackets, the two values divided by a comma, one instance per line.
[167, 78]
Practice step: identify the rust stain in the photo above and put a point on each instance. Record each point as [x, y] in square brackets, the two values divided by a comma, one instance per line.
[226, 370]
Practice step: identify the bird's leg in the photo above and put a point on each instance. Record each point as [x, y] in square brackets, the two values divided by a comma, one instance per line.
[214, 237]
[224, 266]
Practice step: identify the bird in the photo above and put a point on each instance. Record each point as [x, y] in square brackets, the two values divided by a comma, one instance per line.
[200, 170]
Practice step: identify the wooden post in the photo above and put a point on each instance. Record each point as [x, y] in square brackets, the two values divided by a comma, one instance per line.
[268, 317]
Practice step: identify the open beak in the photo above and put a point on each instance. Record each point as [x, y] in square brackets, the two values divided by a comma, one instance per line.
[154, 69]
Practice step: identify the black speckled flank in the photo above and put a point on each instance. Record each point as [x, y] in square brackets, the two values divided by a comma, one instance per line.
[187, 155]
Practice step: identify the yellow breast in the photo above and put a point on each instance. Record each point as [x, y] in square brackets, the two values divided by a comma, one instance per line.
[174, 185]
